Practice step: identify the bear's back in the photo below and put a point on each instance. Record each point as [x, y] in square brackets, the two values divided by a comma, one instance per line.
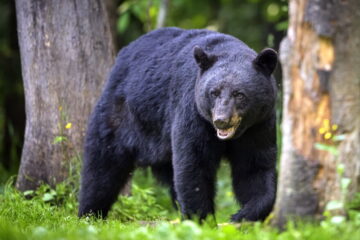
[158, 69]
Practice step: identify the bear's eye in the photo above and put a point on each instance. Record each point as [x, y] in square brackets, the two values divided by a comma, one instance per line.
[215, 93]
[238, 94]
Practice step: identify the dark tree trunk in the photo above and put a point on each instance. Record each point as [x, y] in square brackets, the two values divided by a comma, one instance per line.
[320, 60]
[66, 53]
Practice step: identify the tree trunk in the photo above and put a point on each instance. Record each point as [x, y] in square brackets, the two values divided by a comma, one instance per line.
[163, 10]
[113, 15]
[320, 60]
[66, 53]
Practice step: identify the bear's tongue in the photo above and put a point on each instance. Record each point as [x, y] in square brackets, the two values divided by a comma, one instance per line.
[225, 133]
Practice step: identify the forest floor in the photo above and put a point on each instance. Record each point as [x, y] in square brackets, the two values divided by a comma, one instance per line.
[146, 214]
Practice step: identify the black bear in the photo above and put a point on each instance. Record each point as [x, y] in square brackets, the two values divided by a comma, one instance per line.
[178, 101]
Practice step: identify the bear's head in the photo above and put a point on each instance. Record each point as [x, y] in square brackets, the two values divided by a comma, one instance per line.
[235, 90]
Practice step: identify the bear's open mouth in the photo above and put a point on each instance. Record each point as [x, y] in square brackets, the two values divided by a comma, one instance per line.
[226, 133]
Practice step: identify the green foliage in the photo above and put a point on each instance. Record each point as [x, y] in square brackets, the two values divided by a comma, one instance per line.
[12, 111]
[22, 218]
[51, 213]
[329, 148]
[355, 203]
[250, 20]
[4, 177]
[144, 10]
[140, 205]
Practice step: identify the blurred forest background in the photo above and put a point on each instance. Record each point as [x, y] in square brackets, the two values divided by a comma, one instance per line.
[258, 23]
[319, 171]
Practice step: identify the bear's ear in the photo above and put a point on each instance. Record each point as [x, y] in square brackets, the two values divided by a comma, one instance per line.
[266, 61]
[204, 60]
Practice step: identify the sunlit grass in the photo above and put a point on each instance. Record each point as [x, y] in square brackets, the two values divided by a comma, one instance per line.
[147, 214]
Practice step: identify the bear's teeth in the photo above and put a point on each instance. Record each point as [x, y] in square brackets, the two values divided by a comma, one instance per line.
[225, 133]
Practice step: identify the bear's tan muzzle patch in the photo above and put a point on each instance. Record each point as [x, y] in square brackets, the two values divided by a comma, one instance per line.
[225, 134]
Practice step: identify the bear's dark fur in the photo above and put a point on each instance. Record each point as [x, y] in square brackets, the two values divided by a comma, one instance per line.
[178, 101]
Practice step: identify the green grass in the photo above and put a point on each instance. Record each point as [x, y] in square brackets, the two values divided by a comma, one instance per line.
[147, 214]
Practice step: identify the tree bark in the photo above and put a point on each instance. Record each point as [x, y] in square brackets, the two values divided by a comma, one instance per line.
[163, 10]
[112, 12]
[320, 60]
[66, 53]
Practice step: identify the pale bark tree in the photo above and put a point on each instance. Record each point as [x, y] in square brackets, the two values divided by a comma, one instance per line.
[66, 53]
[163, 10]
[320, 60]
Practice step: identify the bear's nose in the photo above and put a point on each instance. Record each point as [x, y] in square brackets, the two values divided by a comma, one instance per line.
[222, 122]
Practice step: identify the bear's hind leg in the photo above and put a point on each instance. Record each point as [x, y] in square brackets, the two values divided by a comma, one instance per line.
[104, 174]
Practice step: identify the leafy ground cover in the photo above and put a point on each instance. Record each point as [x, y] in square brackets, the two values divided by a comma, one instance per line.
[147, 214]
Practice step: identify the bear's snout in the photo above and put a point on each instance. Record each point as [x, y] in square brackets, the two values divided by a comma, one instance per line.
[226, 126]
[222, 122]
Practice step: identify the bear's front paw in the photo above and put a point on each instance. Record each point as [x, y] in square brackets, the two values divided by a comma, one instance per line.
[237, 217]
